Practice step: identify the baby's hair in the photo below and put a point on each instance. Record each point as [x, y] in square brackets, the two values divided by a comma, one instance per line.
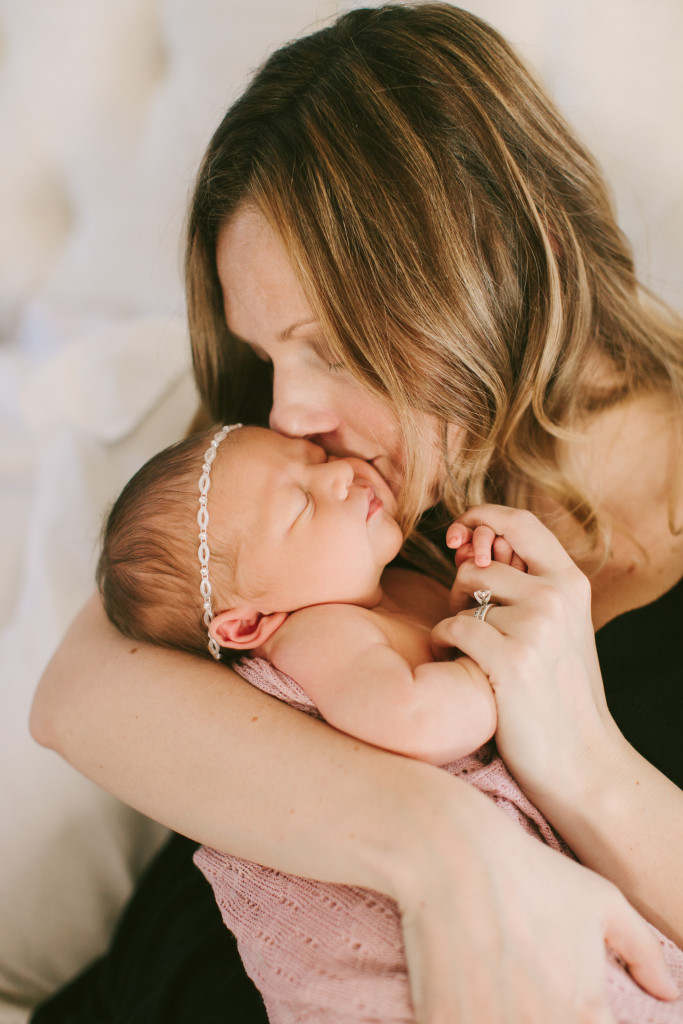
[148, 572]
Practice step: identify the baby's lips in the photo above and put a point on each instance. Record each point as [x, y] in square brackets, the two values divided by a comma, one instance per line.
[366, 473]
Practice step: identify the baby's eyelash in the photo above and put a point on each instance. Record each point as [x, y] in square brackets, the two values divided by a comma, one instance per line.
[335, 367]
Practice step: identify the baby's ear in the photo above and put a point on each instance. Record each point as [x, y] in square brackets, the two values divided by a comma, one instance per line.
[244, 628]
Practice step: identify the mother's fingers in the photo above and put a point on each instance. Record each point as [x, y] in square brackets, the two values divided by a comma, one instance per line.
[627, 935]
[507, 585]
[510, 646]
[481, 641]
[529, 538]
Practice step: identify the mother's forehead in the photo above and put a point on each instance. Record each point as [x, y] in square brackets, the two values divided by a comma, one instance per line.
[262, 293]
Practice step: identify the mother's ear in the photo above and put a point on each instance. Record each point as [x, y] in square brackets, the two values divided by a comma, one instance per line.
[244, 628]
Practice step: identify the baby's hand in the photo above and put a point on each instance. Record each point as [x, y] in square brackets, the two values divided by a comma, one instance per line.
[482, 545]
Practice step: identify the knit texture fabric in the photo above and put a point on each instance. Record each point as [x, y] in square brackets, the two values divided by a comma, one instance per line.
[333, 954]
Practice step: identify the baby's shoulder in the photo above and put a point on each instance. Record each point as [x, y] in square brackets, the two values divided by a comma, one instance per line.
[323, 634]
[318, 623]
[325, 616]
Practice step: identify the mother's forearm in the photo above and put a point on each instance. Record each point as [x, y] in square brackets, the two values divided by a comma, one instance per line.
[624, 819]
[194, 746]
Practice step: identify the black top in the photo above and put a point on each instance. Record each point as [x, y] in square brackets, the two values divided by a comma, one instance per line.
[641, 656]
[172, 961]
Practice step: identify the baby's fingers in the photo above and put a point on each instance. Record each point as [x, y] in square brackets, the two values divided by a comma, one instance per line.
[458, 535]
[483, 539]
[482, 546]
[463, 554]
[503, 552]
[532, 541]
[479, 542]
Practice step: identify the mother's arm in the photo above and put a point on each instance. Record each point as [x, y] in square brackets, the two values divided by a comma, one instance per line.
[487, 911]
[179, 738]
[618, 813]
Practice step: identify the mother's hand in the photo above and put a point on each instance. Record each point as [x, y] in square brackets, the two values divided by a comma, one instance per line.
[537, 646]
[617, 812]
[499, 928]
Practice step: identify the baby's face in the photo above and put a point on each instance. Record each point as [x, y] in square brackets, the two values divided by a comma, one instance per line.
[309, 530]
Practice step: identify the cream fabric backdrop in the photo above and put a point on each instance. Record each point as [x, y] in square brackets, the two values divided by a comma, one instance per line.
[105, 108]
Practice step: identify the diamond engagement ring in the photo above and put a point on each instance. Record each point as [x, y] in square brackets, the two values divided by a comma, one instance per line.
[483, 599]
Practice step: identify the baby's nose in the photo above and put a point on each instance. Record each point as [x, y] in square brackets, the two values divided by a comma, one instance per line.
[339, 475]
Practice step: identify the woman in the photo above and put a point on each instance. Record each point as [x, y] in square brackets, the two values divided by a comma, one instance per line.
[397, 249]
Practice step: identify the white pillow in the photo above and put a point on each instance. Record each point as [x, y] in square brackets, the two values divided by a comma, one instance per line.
[91, 414]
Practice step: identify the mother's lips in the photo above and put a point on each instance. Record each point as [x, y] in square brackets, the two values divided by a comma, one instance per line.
[385, 471]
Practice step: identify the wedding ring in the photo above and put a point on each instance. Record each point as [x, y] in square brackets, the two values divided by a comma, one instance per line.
[482, 611]
[483, 599]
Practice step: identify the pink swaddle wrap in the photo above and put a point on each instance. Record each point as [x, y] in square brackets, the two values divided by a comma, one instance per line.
[333, 954]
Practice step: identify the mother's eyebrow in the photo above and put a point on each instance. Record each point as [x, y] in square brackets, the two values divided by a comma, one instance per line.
[289, 331]
[282, 336]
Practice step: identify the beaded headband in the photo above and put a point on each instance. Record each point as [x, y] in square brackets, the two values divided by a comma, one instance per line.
[203, 521]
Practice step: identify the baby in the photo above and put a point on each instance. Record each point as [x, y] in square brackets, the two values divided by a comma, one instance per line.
[297, 544]
[291, 569]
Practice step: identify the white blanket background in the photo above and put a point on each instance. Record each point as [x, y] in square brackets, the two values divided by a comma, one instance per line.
[104, 112]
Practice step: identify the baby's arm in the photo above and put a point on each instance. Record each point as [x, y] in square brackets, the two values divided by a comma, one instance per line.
[342, 658]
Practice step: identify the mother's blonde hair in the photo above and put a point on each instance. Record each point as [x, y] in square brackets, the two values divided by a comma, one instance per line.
[456, 241]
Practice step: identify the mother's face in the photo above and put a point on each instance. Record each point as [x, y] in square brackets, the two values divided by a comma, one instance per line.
[312, 398]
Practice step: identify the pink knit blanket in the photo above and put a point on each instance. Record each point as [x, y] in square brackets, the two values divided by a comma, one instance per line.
[333, 954]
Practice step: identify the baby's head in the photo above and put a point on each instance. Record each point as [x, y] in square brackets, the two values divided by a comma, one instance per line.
[286, 527]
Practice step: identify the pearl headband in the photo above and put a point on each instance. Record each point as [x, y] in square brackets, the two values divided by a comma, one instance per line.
[203, 521]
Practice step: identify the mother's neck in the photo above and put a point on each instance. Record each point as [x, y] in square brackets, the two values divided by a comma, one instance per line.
[628, 463]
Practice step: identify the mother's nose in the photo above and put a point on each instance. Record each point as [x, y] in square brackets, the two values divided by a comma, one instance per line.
[299, 412]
